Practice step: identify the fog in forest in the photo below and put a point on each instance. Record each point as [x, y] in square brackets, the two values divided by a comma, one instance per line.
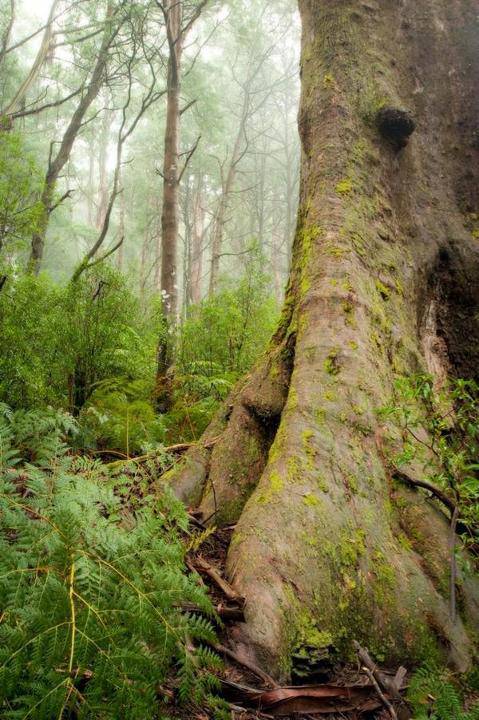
[239, 336]
[238, 152]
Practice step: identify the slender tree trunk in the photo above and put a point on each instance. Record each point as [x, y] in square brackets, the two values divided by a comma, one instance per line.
[41, 56]
[169, 214]
[177, 29]
[7, 33]
[57, 163]
[143, 260]
[278, 276]
[197, 237]
[157, 283]
[227, 184]
[121, 227]
[91, 175]
[103, 193]
[326, 548]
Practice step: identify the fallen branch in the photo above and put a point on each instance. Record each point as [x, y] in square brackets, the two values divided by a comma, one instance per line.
[203, 566]
[380, 693]
[179, 447]
[225, 612]
[386, 683]
[245, 663]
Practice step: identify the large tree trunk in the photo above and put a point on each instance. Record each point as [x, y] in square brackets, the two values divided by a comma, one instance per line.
[326, 549]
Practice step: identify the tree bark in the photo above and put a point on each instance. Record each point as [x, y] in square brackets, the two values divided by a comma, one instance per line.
[197, 238]
[326, 549]
[121, 227]
[177, 29]
[169, 213]
[103, 193]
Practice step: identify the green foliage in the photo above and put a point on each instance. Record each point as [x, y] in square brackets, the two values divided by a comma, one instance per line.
[433, 695]
[224, 335]
[90, 592]
[89, 348]
[32, 371]
[33, 436]
[219, 341]
[58, 343]
[20, 182]
[119, 416]
[440, 434]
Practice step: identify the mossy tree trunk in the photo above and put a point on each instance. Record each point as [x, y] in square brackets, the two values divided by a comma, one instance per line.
[384, 281]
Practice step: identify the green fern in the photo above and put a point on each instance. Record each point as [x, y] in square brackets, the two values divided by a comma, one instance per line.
[434, 697]
[90, 593]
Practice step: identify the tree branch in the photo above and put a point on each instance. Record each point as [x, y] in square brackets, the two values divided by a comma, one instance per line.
[68, 194]
[189, 155]
[439, 494]
[56, 103]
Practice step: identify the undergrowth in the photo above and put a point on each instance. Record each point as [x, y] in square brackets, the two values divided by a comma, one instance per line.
[434, 696]
[91, 588]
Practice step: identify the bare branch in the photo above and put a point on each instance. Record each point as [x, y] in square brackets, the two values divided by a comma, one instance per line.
[188, 158]
[48, 106]
[64, 197]
[187, 107]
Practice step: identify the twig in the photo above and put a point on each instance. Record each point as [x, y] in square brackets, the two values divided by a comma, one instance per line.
[214, 575]
[64, 197]
[243, 711]
[246, 663]
[380, 693]
[55, 103]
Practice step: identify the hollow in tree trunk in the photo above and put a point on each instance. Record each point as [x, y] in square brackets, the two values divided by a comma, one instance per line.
[326, 549]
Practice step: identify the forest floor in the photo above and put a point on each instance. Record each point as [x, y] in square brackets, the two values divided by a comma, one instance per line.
[344, 693]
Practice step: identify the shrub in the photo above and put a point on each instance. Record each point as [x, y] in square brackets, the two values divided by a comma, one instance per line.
[219, 341]
[20, 182]
[224, 335]
[58, 342]
[33, 373]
